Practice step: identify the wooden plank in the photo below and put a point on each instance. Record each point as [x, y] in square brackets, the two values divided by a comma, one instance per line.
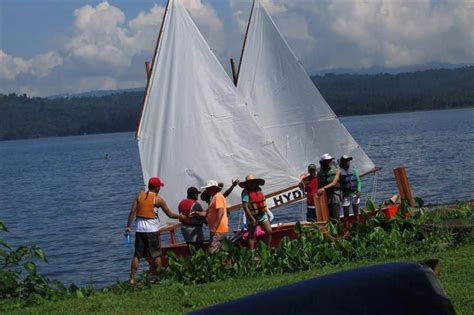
[403, 185]
[322, 209]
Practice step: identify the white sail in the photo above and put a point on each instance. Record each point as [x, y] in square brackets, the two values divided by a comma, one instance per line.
[285, 101]
[195, 125]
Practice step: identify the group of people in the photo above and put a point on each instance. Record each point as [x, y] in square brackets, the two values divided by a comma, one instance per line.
[193, 216]
[341, 183]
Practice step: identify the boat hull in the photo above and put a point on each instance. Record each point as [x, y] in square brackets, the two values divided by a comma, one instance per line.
[279, 231]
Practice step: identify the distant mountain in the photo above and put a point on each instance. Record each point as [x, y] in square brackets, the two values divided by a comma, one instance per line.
[347, 94]
[95, 93]
[371, 70]
[395, 70]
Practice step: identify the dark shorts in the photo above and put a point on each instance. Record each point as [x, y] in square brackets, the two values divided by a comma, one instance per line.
[311, 214]
[334, 210]
[147, 244]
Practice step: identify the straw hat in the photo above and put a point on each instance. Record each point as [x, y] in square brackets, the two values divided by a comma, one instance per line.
[250, 178]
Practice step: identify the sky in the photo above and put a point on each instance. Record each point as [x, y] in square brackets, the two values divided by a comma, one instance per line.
[50, 47]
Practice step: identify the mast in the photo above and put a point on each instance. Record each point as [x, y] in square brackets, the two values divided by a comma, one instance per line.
[149, 69]
[234, 72]
[236, 78]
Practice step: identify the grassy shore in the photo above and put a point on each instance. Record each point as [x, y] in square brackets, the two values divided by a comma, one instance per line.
[457, 272]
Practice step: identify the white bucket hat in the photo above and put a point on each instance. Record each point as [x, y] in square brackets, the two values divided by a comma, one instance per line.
[211, 183]
[325, 157]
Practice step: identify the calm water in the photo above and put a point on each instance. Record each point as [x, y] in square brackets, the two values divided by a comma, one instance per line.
[61, 194]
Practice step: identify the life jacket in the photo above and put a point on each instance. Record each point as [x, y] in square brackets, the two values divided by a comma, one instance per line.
[326, 177]
[257, 204]
[146, 205]
[348, 180]
[185, 207]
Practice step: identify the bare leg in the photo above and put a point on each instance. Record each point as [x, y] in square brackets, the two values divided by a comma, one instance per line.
[133, 270]
[154, 263]
[355, 208]
[251, 238]
[346, 216]
[268, 231]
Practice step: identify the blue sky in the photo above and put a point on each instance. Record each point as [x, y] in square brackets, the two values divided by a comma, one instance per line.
[52, 46]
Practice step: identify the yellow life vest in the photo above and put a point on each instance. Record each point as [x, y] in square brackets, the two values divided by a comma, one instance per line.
[146, 205]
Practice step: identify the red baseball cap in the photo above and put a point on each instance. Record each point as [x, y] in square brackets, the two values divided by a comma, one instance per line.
[156, 181]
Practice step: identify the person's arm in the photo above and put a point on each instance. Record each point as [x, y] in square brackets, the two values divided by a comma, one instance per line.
[245, 205]
[302, 184]
[229, 190]
[359, 184]
[161, 203]
[131, 215]
[331, 184]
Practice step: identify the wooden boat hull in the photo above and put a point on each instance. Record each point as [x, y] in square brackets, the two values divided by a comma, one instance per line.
[279, 232]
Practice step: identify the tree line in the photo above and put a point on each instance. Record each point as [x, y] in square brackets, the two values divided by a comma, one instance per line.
[348, 94]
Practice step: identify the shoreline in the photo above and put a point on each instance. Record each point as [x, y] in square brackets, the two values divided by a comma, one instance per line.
[339, 116]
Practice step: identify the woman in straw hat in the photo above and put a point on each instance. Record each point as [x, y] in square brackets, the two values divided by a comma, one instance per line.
[255, 207]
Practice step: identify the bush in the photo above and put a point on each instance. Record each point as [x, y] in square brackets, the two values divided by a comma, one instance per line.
[378, 237]
[19, 278]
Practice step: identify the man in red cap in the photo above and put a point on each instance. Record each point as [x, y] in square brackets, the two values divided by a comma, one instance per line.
[147, 240]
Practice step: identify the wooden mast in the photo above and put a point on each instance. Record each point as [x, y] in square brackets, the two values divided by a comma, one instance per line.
[234, 71]
[236, 77]
[149, 69]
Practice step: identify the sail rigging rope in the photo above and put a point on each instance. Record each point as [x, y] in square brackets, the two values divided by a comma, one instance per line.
[240, 219]
[374, 187]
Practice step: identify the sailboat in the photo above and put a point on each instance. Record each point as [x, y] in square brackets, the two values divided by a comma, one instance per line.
[196, 124]
[286, 103]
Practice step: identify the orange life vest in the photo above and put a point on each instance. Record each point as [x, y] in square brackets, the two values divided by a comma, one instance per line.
[146, 205]
[257, 204]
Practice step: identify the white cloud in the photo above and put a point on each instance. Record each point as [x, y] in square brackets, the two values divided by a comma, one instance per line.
[105, 50]
[355, 33]
[204, 15]
[39, 66]
[11, 67]
[398, 33]
[100, 36]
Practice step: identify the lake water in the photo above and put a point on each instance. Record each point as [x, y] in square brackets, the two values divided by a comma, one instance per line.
[60, 194]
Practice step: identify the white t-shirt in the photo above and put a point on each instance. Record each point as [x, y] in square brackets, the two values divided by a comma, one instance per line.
[147, 225]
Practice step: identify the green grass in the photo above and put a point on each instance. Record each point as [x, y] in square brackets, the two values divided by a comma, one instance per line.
[457, 277]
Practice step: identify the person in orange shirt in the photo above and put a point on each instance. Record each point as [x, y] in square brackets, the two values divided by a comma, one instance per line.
[217, 219]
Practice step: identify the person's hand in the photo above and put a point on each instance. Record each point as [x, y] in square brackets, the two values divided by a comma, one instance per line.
[235, 182]
[128, 230]
[301, 185]
[358, 194]
[182, 217]
[254, 222]
[320, 191]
